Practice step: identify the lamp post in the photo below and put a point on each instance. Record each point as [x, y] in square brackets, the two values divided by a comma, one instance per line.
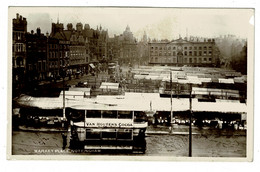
[171, 95]
[63, 84]
[190, 131]
[63, 90]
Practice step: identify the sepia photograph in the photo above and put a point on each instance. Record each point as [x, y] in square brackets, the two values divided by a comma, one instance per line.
[136, 83]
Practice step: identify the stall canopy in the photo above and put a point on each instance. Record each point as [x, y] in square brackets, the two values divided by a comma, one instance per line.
[85, 90]
[133, 102]
[91, 65]
[109, 86]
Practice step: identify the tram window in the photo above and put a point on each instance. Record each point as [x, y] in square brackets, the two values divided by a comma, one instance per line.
[125, 114]
[124, 134]
[77, 115]
[139, 116]
[92, 134]
[109, 135]
[109, 114]
[93, 114]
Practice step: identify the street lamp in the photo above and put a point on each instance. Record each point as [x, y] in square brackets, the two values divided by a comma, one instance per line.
[171, 97]
[190, 131]
[64, 69]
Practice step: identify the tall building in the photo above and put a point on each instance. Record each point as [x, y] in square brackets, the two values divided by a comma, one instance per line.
[181, 52]
[78, 58]
[128, 52]
[53, 57]
[142, 50]
[36, 47]
[19, 30]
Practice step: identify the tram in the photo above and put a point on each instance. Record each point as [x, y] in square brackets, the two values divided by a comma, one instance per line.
[108, 130]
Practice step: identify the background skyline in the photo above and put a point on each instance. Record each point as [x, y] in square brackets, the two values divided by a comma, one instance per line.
[159, 23]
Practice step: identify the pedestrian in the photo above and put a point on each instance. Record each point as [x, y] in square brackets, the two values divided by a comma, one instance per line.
[64, 138]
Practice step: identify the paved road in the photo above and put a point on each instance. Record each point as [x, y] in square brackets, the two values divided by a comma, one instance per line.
[214, 145]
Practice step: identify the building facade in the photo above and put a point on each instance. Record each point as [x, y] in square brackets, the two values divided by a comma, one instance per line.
[182, 52]
[19, 30]
[128, 47]
[78, 58]
[142, 50]
[53, 57]
[36, 47]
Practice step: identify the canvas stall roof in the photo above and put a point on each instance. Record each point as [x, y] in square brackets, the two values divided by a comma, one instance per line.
[227, 100]
[226, 81]
[224, 107]
[239, 80]
[72, 93]
[133, 101]
[109, 85]
[152, 77]
[40, 102]
[139, 76]
[205, 80]
[91, 65]
[79, 89]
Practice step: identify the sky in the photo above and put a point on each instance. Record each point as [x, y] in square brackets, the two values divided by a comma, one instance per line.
[159, 23]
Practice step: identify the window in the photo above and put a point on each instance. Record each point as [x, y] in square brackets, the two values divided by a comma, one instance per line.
[30, 67]
[200, 53]
[190, 53]
[169, 48]
[205, 59]
[174, 48]
[205, 47]
[185, 53]
[109, 114]
[109, 135]
[200, 48]
[195, 53]
[156, 48]
[44, 66]
[40, 66]
[93, 114]
[174, 53]
[210, 47]
[169, 54]
[190, 48]
[210, 59]
[125, 134]
[152, 48]
[92, 134]
[126, 114]
[210, 52]
[185, 48]
[195, 48]
[190, 60]
[205, 53]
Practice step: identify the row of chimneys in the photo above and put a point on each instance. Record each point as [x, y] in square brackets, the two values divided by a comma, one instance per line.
[20, 17]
